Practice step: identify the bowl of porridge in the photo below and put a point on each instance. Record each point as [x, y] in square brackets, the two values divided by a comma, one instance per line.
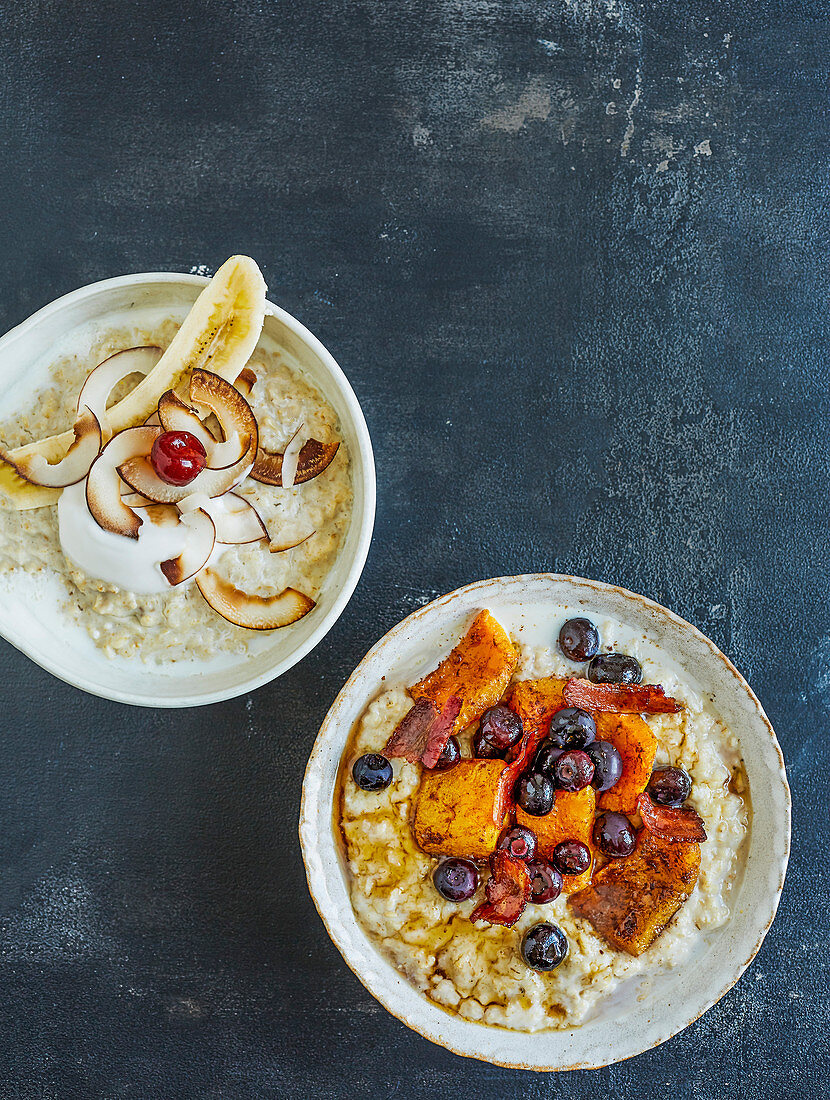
[187, 487]
[546, 822]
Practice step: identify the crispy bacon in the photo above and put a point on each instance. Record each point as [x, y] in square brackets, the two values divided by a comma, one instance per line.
[422, 733]
[507, 891]
[528, 745]
[668, 823]
[440, 731]
[410, 736]
[619, 698]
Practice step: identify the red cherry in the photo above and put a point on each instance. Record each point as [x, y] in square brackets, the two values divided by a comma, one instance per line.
[178, 457]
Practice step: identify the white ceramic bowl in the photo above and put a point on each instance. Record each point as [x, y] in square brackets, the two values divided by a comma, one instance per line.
[30, 605]
[626, 1023]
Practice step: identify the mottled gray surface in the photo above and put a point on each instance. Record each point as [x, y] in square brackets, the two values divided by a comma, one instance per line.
[573, 256]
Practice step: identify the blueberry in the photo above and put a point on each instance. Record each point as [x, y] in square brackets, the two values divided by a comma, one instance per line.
[607, 764]
[573, 770]
[578, 639]
[545, 882]
[572, 728]
[372, 772]
[450, 756]
[544, 947]
[519, 842]
[456, 879]
[669, 786]
[614, 835]
[534, 793]
[615, 668]
[499, 730]
[546, 756]
[571, 857]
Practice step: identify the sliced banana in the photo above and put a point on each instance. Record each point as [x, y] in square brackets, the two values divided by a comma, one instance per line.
[220, 334]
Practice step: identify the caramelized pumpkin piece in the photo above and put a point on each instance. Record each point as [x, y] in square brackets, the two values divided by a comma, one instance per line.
[536, 701]
[572, 818]
[454, 810]
[478, 670]
[637, 745]
[632, 900]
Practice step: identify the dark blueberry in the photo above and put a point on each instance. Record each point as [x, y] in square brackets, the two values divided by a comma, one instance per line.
[573, 770]
[607, 764]
[614, 834]
[572, 728]
[486, 750]
[519, 842]
[615, 668]
[544, 947]
[571, 857]
[545, 882]
[372, 772]
[546, 756]
[450, 755]
[669, 786]
[579, 640]
[534, 793]
[456, 879]
[501, 727]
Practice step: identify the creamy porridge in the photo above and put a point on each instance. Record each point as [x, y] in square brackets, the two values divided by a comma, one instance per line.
[477, 969]
[178, 623]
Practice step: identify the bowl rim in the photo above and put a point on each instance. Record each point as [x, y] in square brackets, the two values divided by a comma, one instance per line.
[308, 826]
[367, 518]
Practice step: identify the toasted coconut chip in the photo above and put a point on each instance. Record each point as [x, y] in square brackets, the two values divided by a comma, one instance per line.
[198, 548]
[314, 457]
[175, 416]
[226, 403]
[253, 612]
[161, 515]
[280, 548]
[152, 420]
[291, 458]
[75, 464]
[135, 500]
[240, 522]
[245, 381]
[103, 487]
[235, 518]
[96, 390]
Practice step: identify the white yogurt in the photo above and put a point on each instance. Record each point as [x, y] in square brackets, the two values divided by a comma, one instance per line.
[132, 564]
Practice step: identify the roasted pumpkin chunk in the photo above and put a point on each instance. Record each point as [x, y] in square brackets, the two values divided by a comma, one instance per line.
[454, 810]
[630, 901]
[572, 818]
[536, 701]
[477, 671]
[637, 745]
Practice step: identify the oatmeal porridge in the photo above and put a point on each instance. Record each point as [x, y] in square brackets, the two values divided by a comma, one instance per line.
[298, 527]
[418, 880]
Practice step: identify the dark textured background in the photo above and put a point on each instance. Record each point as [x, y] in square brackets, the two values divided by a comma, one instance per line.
[572, 255]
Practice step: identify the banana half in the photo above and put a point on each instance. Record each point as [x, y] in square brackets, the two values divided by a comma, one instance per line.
[219, 334]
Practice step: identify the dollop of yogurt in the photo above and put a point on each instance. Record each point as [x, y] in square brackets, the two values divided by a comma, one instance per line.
[132, 564]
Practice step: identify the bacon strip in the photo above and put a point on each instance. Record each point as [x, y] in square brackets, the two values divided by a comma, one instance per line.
[423, 732]
[410, 736]
[532, 738]
[619, 698]
[507, 891]
[440, 732]
[668, 823]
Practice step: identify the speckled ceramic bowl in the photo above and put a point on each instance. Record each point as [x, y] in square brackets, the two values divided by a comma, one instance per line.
[31, 605]
[630, 1020]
